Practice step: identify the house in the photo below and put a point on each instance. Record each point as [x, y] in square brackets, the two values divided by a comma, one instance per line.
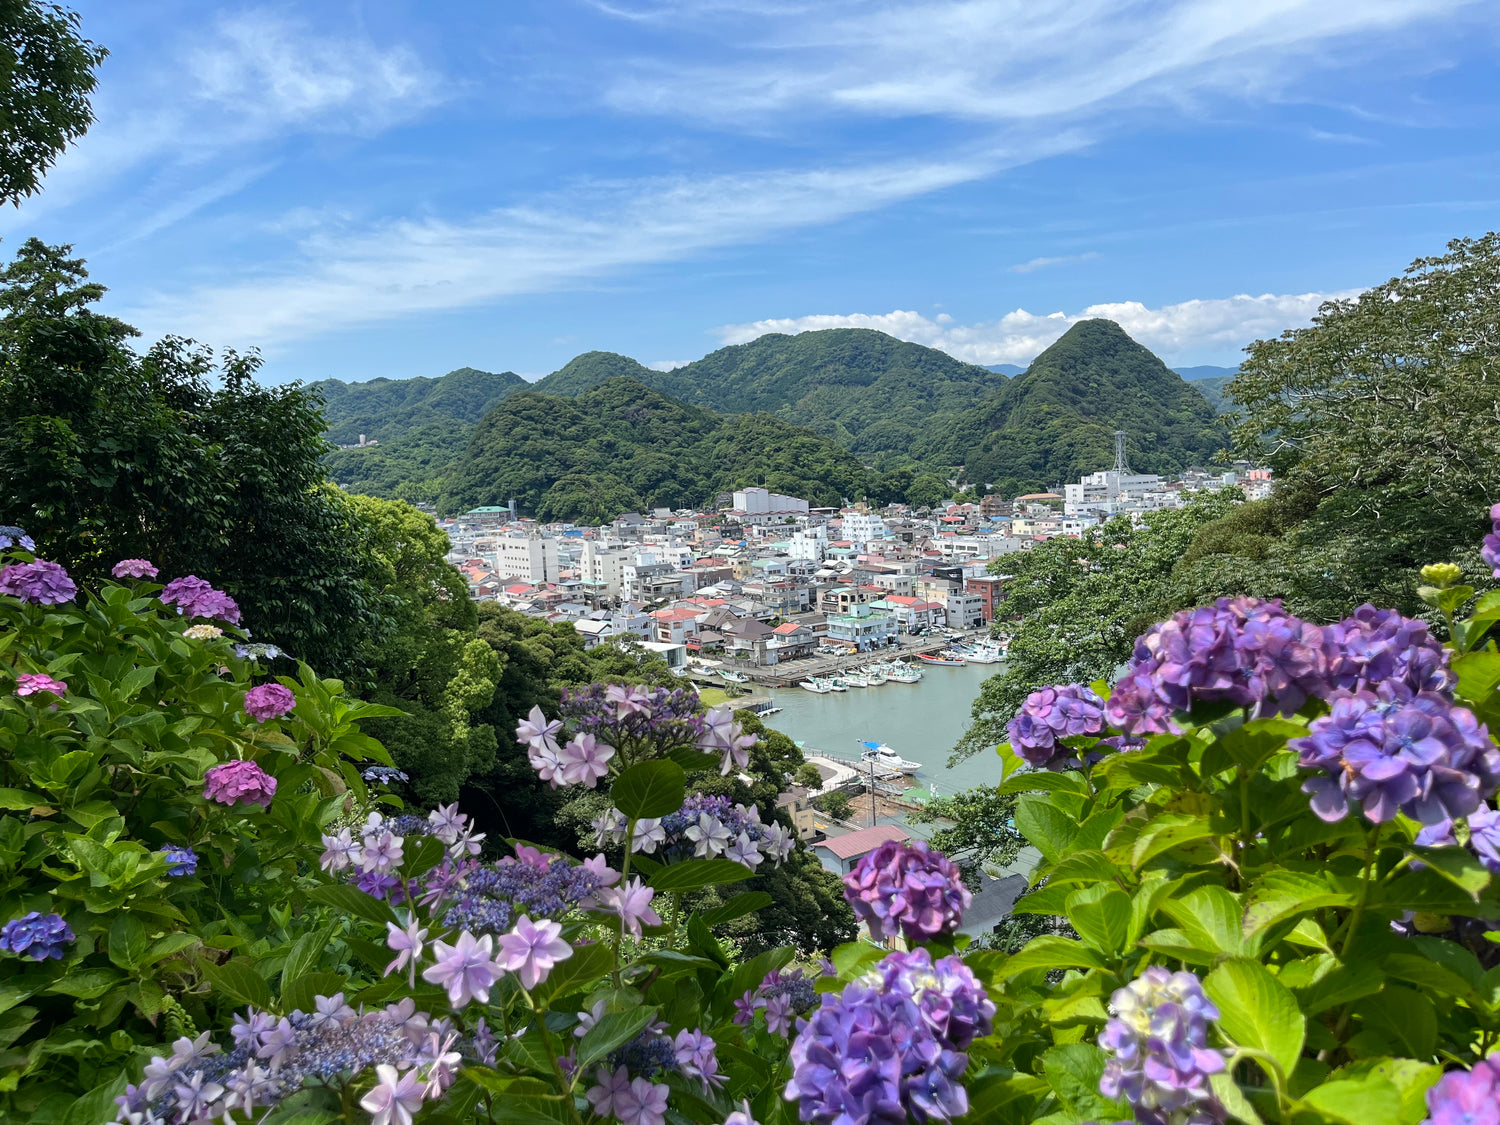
[799, 807]
[676, 626]
[750, 638]
[862, 628]
[839, 854]
[792, 640]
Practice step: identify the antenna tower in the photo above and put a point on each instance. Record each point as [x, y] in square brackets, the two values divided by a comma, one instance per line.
[1121, 465]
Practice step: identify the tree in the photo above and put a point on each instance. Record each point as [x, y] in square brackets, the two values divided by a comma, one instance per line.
[107, 453]
[928, 491]
[809, 778]
[836, 804]
[46, 77]
[978, 829]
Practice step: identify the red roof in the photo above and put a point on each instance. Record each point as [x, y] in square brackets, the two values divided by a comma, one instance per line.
[788, 629]
[865, 840]
[676, 614]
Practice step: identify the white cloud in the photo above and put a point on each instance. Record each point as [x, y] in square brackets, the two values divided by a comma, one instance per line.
[988, 60]
[1043, 263]
[1178, 333]
[668, 364]
[408, 266]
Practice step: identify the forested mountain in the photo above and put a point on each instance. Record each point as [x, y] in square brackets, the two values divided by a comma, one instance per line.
[387, 408]
[623, 446]
[1211, 381]
[1006, 369]
[1057, 421]
[868, 391]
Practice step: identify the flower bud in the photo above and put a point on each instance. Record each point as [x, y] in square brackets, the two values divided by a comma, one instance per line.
[1442, 575]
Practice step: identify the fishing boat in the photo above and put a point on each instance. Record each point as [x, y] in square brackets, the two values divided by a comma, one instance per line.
[875, 675]
[902, 673]
[852, 679]
[817, 687]
[883, 755]
[836, 685]
[945, 658]
[733, 677]
[986, 653]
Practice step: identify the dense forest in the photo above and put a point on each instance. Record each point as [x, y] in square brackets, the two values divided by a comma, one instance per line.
[622, 446]
[1057, 421]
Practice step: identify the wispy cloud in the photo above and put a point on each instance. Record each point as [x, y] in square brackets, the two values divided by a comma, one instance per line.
[1189, 329]
[1042, 263]
[668, 364]
[338, 281]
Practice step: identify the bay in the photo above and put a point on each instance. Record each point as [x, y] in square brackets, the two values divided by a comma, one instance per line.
[922, 722]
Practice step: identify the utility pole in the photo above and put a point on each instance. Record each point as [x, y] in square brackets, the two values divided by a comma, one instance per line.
[872, 792]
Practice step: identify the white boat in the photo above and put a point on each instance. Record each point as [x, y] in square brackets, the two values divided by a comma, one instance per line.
[818, 687]
[733, 677]
[852, 679]
[987, 653]
[875, 675]
[836, 685]
[905, 674]
[883, 755]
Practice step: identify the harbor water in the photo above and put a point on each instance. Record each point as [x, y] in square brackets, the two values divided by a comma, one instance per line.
[922, 722]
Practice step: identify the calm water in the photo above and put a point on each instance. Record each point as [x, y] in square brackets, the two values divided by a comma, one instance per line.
[921, 722]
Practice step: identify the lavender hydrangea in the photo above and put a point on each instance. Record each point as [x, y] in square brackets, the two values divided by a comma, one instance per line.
[11, 536]
[194, 597]
[39, 582]
[239, 783]
[180, 861]
[1375, 646]
[269, 701]
[1389, 750]
[1053, 713]
[1466, 1097]
[133, 568]
[1489, 550]
[1481, 832]
[891, 1045]
[31, 683]
[783, 996]
[1243, 651]
[907, 888]
[490, 899]
[1160, 1061]
[706, 827]
[274, 1058]
[37, 935]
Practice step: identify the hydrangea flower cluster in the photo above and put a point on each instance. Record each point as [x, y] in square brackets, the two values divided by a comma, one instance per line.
[382, 775]
[133, 568]
[239, 783]
[488, 899]
[30, 683]
[907, 888]
[194, 597]
[1483, 837]
[269, 701]
[36, 935]
[1390, 750]
[12, 536]
[706, 827]
[180, 861]
[1466, 1097]
[1243, 651]
[202, 632]
[891, 1045]
[1160, 1061]
[375, 856]
[414, 1058]
[782, 996]
[623, 1088]
[1379, 646]
[39, 582]
[1489, 549]
[1052, 713]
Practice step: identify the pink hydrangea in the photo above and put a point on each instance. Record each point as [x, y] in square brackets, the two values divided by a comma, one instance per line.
[133, 568]
[194, 597]
[29, 683]
[40, 582]
[239, 783]
[269, 701]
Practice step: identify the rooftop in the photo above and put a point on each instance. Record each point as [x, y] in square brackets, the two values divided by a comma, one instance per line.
[865, 840]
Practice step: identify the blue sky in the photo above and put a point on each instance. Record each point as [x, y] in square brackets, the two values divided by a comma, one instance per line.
[386, 188]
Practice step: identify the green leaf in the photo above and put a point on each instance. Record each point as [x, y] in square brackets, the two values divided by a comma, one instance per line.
[576, 974]
[1478, 674]
[305, 988]
[1101, 915]
[19, 800]
[693, 761]
[304, 955]
[1459, 866]
[650, 789]
[169, 945]
[1357, 1102]
[86, 984]
[852, 957]
[1051, 952]
[1050, 830]
[1233, 1099]
[1073, 1071]
[1211, 918]
[737, 907]
[1166, 832]
[1033, 781]
[613, 1029]
[694, 874]
[1401, 1019]
[352, 900]
[1411, 1077]
[241, 983]
[1257, 1010]
[1088, 866]
[128, 940]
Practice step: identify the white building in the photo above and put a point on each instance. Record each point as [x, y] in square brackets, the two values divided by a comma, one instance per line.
[532, 557]
[1107, 491]
[602, 567]
[759, 502]
[809, 543]
[862, 527]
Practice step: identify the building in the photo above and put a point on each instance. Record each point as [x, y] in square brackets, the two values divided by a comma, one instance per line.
[676, 626]
[601, 567]
[532, 557]
[991, 591]
[860, 528]
[839, 854]
[759, 502]
[1107, 492]
[862, 628]
[799, 808]
[965, 611]
[674, 655]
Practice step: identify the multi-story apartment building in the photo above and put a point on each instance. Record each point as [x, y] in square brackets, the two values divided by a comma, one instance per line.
[532, 557]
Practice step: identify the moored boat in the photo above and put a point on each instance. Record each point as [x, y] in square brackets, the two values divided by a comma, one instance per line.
[883, 755]
[945, 658]
[733, 677]
[817, 687]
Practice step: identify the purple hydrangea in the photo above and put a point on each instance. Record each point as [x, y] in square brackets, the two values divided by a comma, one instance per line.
[1483, 836]
[907, 888]
[1052, 713]
[706, 827]
[194, 597]
[133, 568]
[11, 536]
[239, 783]
[782, 996]
[1466, 1097]
[269, 701]
[36, 935]
[488, 900]
[180, 861]
[1160, 1061]
[39, 582]
[1389, 750]
[1243, 651]
[636, 721]
[1489, 550]
[30, 683]
[891, 1045]
[1375, 646]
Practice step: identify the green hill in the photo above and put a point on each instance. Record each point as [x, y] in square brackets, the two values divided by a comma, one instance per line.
[622, 446]
[387, 408]
[1056, 422]
[868, 391]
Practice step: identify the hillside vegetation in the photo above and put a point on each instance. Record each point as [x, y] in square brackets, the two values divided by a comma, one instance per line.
[1056, 421]
[622, 445]
[388, 408]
